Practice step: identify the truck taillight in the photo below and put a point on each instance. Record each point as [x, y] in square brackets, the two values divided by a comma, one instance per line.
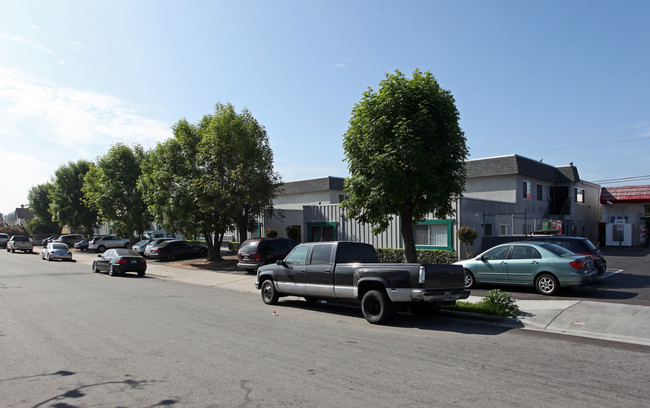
[422, 274]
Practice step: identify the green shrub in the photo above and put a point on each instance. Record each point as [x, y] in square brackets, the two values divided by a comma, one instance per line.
[270, 233]
[430, 256]
[501, 302]
[233, 247]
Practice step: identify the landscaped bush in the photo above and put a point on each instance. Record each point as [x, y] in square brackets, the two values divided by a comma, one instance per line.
[502, 303]
[233, 247]
[431, 256]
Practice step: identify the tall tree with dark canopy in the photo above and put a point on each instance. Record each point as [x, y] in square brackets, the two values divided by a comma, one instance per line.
[111, 188]
[39, 205]
[406, 155]
[67, 206]
[211, 175]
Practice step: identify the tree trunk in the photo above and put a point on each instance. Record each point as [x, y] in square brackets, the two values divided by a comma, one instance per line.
[242, 225]
[409, 242]
[214, 252]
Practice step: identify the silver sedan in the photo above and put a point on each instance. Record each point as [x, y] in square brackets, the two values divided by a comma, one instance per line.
[55, 250]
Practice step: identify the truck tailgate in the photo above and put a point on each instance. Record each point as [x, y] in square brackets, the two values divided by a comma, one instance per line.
[444, 277]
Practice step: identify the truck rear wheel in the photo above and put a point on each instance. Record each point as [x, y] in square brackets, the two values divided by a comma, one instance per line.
[377, 307]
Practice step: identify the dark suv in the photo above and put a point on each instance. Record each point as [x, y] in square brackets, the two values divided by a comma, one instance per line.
[257, 252]
[578, 245]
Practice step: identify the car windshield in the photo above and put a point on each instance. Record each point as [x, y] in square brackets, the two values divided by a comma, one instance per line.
[59, 246]
[589, 245]
[250, 246]
[558, 250]
[126, 252]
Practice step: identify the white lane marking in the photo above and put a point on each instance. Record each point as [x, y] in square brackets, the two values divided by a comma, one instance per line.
[610, 272]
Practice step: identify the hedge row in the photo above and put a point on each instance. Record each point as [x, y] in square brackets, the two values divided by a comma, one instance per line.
[425, 256]
[389, 255]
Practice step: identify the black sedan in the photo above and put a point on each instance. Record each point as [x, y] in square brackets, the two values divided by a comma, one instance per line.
[120, 260]
[170, 250]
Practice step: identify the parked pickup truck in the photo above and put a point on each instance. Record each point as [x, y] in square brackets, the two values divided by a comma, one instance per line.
[351, 271]
[103, 242]
[20, 243]
[4, 238]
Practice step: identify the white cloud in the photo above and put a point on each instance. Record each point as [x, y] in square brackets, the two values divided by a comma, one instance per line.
[55, 124]
[20, 39]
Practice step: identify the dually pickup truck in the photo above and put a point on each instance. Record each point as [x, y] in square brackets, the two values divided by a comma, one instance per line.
[351, 271]
[20, 243]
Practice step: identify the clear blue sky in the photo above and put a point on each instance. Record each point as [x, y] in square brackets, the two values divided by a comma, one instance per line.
[562, 81]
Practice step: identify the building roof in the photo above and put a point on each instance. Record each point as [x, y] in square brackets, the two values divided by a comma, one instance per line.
[625, 194]
[516, 164]
[24, 213]
[312, 185]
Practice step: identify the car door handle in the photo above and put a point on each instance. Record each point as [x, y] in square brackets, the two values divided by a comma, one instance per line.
[535, 263]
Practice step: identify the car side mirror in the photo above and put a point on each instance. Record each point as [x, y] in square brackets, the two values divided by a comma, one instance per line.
[481, 258]
[280, 262]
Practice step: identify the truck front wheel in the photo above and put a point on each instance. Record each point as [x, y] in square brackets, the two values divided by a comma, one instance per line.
[269, 294]
[376, 307]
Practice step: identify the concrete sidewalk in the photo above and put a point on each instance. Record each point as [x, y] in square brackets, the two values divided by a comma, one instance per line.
[598, 320]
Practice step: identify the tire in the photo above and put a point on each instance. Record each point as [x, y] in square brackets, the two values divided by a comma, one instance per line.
[101, 248]
[48, 258]
[140, 273]
[111, 270]
[171, 256]
[13, 251]
[470, 281]
[270, 296]
[424, 309]
[547, 284]
[377, 307]
[95, 270]
[127, 245]
[203, 253]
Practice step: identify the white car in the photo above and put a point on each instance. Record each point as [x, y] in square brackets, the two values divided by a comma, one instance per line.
[140, 246]
[56, 250]
[153, 243]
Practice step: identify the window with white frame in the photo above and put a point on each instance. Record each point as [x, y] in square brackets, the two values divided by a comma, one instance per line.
[580, 195]
[526, 189]
[431, 235]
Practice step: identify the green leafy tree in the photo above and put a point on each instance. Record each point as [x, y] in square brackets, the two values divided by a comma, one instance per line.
[200, 182]
[66, 197]
[467, 236]
[405, 152]
[241, 144]
[111, 188]
[39, 205]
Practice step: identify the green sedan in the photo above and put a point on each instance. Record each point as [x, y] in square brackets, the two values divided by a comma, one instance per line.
[547, 267]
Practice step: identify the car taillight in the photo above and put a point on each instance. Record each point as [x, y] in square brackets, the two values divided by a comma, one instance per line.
[155, 250]
[588, 253]
[121, 261]
[258, 257]
[577, 264]
[142, 261]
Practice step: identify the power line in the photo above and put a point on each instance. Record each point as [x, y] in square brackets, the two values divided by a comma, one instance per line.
[622, 179]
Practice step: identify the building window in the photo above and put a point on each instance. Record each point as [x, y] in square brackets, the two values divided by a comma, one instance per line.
[433, 234]
[540, 192]
[504, 229]
[322, 231]
[580, 195]
[526, 189]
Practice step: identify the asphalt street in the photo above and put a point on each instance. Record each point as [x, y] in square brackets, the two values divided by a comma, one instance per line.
[71, 338]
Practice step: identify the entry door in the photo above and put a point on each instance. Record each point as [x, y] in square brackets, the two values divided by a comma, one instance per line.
[319, 275]
[291, 278]
[493, 268]
[524, 263]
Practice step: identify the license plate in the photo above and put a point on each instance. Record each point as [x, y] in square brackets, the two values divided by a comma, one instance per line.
[133, 261]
